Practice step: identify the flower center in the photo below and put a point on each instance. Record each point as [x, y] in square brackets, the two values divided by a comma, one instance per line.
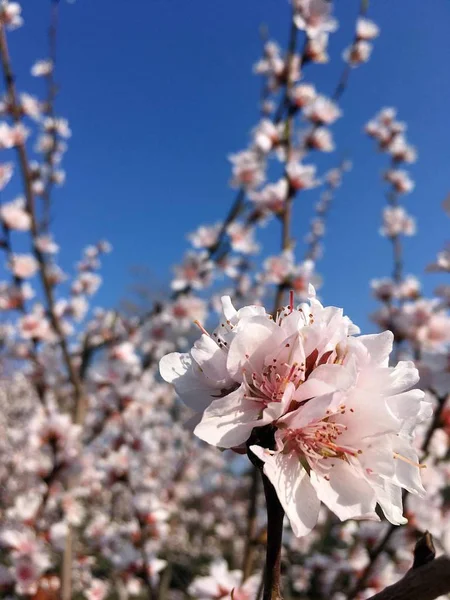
[271, 384]
[319, 440]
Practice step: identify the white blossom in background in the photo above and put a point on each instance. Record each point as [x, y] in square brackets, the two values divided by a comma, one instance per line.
[195, 272]
[42, 68]
[242, 238]
[223, 582]
[205, 236]
[314, 17]
[396, 221]
[15, 216]
[301, 177]
[322, 110]
[11, 14]
[248, 169]
[24, 265]
[272, 197]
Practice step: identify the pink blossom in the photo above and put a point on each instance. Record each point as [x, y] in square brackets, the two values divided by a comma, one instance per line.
[277, 269]
[196, 378]
[241, 238]
[15, 216]
[98, 590]
[26, 574]
[387, 115]
[221, 582]
[303, 276]
[320, 138]
[301, 177]
[6, 172]
[383, 289]
[401, 180]
[23, 265]
[248, 170]
[396, 221]
[15, 135]
[35, 326]
[42, 68]
[322, 110]
[409, 288]
[303, 94]
[267, 135]
[316, 48]
[86, 283]
[205, 236]
[13, 296]
[46, 245]
[57, 125]
[366, 29]
[31, 106]
[401, 150]
[195, 272]
[124, 352]
[271, 197]
[357, 53]
[314, 17]
[272, 63]
[10, 14]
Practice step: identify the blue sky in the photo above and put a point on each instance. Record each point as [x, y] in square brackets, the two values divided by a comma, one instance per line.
[159, 92]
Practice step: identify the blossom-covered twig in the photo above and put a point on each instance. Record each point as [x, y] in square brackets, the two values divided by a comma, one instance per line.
[39, 255]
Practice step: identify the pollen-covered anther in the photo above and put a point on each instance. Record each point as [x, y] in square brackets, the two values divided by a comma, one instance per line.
[202, 329]
[409, 461]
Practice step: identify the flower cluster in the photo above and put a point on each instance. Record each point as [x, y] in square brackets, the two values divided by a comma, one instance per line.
[343, 420]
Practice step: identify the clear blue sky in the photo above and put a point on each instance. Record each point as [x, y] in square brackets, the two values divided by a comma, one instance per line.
[158, 92]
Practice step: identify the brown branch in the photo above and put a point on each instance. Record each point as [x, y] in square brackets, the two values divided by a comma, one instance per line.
[264, 436]
[328, 193]
[424, 551]
[275, 516]
[424, 583]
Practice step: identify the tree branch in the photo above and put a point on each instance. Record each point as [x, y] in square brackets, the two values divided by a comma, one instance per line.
[425, 583]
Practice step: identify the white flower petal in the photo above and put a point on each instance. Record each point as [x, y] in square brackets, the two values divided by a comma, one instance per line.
[211, 359]
[379, 346]
[293, 487]
[178, 369]
[347, 493]
[228, 421]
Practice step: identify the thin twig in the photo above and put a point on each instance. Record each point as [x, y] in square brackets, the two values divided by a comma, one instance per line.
[52, 90]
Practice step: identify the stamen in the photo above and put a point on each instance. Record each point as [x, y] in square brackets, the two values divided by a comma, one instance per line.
[202, 329]
[409, 461]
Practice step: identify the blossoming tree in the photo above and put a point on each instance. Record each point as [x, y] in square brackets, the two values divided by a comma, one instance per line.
[133, 446]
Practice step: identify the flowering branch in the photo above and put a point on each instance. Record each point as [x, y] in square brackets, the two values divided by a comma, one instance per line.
[39, 255]
[51, 96]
